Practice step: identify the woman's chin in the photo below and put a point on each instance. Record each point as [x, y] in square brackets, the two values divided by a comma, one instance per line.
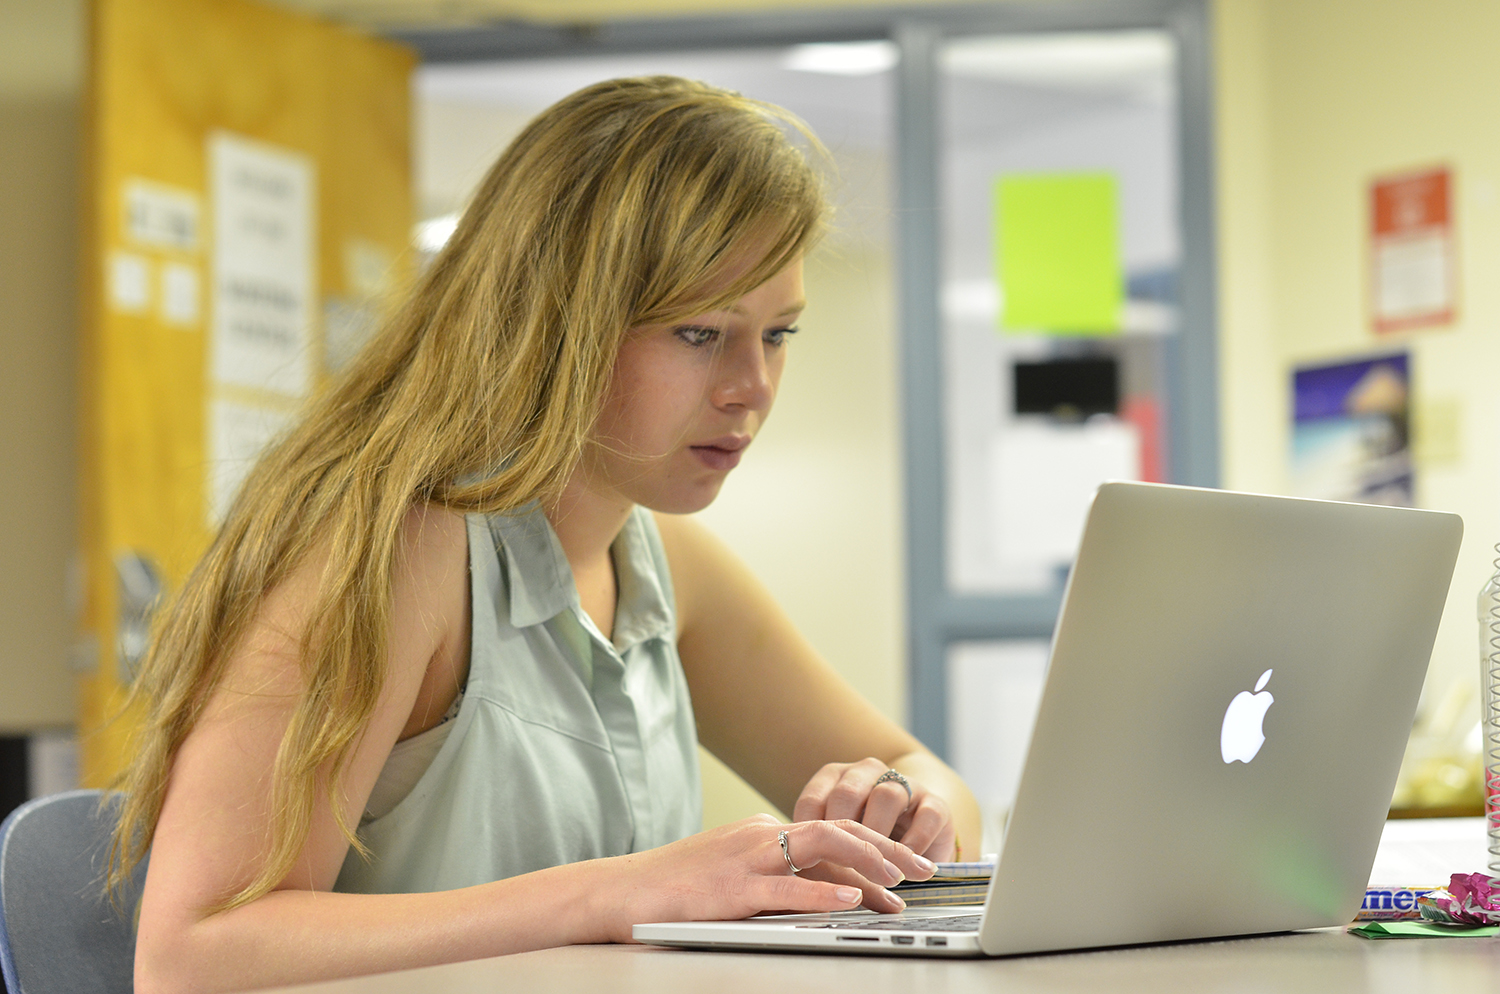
[684, 500]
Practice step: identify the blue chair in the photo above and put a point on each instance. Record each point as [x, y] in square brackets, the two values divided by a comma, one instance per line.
[58, 930]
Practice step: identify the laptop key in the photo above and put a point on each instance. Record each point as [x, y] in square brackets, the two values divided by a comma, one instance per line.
[896, 923]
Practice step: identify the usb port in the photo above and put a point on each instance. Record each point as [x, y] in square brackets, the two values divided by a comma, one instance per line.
[937, 940]
[902, 940]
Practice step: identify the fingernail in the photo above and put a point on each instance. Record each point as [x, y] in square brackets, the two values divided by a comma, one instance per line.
[899, 903]
[894, 872]
[923, 863]
[849, 895]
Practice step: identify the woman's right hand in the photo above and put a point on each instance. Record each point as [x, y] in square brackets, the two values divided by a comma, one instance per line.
[738, 870]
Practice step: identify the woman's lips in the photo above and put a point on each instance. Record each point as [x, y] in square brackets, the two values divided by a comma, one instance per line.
[722, 453]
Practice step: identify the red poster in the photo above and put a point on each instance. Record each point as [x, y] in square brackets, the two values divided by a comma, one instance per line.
[1411, 251]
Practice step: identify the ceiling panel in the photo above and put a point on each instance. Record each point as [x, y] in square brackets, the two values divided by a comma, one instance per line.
[413, 14]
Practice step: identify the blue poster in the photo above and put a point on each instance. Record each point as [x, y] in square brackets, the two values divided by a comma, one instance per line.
[1351, 436]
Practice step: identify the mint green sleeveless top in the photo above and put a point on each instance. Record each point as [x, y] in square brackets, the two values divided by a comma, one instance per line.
[567, 746]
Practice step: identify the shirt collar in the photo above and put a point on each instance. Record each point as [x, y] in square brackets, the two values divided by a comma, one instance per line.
[644, 611]
[541, 586]
[537, 573]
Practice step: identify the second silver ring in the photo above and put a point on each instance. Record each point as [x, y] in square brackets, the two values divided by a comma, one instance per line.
[891, 776]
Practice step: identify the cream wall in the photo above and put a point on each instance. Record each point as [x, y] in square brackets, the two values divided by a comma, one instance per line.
[1314, 98]
[41, 57]
[1252, 394]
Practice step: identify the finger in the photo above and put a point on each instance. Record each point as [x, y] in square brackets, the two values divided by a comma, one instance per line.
[913, 865]
[875, 897]
[848, 796]
[816, 843]
[849, 844]
[945, 847]
[887, 803]
[931, 829]
[788, 893]
[812, 802]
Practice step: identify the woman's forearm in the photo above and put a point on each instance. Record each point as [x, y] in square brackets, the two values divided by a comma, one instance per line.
[733, 871]
[299, 936]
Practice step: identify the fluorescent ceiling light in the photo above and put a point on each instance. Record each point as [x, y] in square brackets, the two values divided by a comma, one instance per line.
[431, 235]
[853, 58]
[1131, 60]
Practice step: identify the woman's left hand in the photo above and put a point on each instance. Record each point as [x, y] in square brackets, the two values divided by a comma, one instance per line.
[921, 821]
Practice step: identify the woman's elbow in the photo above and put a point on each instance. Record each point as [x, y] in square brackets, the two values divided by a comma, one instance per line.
[167, 961]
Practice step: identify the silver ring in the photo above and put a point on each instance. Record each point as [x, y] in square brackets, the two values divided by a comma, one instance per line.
[891, 775]
[786, 853]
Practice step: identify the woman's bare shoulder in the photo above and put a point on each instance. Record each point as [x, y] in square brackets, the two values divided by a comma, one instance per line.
[429, 601]
[433, 543]
[430, 583]
[430, 611]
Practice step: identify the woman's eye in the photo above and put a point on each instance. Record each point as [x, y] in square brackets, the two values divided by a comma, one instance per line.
[697, 336]
[777, 336]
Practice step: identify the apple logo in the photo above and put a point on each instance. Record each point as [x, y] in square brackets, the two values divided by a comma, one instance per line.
[1241, 737]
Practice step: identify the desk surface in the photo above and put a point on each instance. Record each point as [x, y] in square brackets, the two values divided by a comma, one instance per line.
[1317, 962]
[1320, 962]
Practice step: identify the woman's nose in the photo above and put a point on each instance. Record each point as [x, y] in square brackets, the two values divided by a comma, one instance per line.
[745, 378]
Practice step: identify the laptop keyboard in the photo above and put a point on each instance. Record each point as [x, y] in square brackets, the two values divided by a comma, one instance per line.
[937, 923]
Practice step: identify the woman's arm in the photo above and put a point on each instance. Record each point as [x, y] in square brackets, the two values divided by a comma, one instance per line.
[779, 715]
[297, 935]
[216, 820]
[213, 833]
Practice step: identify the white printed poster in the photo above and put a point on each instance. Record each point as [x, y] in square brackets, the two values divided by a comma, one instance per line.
[263, 265]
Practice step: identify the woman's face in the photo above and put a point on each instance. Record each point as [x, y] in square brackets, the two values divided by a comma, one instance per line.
[688, 397]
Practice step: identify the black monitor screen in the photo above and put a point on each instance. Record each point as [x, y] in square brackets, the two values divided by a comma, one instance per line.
[1074, 388]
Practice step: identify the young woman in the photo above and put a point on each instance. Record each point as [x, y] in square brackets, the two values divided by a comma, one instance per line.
[435, 692]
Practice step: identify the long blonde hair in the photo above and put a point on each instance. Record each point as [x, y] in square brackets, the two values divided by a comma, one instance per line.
[628, 203]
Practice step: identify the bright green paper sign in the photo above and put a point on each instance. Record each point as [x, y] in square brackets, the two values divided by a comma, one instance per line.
[1057, 239]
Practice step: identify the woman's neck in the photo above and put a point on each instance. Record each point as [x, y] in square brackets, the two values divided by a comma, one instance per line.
[587, 522]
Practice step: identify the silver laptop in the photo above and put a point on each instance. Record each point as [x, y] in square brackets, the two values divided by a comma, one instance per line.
[1232, 682]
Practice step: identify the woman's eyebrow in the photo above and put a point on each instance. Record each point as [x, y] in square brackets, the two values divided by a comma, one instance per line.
[796, 308]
